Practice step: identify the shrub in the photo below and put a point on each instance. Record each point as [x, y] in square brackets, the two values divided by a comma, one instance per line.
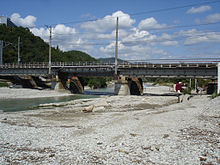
[3, 84]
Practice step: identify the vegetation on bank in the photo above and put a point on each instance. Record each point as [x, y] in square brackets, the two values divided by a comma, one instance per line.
[214, 95]
[3, 84]
[95, 83]
[171, 81]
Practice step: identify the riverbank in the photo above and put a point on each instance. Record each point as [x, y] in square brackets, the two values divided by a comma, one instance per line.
[13, 93]
[119, 130]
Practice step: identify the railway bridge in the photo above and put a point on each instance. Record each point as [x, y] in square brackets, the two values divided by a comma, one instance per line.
[128, 75]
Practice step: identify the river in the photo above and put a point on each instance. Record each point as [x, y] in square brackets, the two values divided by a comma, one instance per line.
[14, 105]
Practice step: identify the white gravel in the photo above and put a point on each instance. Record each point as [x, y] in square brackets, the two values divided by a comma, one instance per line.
[121, 130]
[11, 93]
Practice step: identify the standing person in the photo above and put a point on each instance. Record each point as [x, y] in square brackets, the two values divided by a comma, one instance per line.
[197, 90]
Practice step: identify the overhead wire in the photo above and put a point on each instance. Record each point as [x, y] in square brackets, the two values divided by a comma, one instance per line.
[136, 14]
[144, 41]
[132, 14]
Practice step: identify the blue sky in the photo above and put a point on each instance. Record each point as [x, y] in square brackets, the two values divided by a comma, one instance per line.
[143, 34]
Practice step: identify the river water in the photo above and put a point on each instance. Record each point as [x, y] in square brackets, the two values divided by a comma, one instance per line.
[13, 105]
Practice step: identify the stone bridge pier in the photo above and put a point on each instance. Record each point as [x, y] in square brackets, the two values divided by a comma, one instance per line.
[129, 86]
[67, 82]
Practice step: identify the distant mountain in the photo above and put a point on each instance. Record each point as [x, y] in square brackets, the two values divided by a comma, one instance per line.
[111, 60]
[33, 48]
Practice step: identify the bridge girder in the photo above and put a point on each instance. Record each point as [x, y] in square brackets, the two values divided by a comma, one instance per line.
[129, 70]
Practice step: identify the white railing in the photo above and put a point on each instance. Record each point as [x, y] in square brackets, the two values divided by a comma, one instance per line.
[99, 64]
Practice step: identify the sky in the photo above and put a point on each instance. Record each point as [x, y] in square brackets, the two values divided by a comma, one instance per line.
[148, 29]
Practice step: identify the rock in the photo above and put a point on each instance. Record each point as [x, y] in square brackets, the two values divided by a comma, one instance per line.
[1, 111]
[98, 109]
[99, 143]
[88, 109]
[202, 158]
[126, 152]
[157, 148]
[133, 134]
[102, 104]
[147, 148]
[165, 135]
[52, 155]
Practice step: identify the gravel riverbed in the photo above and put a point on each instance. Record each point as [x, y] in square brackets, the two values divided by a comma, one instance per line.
[119, 130]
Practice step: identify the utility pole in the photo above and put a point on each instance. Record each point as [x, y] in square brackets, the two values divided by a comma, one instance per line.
[19, 50]
[50, 41]
[195, 84]
[218, 81]
[116, 50]
[1, 52]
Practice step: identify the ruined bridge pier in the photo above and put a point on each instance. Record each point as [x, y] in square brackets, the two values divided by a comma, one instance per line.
[128, 86]
[123, 86]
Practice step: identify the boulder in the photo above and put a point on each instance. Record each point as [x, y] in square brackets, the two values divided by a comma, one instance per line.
[88, 109]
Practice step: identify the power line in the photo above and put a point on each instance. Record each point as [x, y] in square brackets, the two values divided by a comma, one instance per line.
[164, 28]
[173, 38]
[185, 26]
[173, 8]
[146, 40]
[134, 14]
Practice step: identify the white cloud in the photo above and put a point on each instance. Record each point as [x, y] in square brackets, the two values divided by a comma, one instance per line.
[62, 29]
[167, 40]
[108, 23]
[97, 38]
[28, 21]
[196, 37]
[41, 32]
[210, 19]
[200, 9]
[150, 23]
[132, 52]
[169, 43]
[137, 36]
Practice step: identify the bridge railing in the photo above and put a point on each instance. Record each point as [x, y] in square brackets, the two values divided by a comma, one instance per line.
[54, 64]
[136, 64]
[86, 63]
[25, 65]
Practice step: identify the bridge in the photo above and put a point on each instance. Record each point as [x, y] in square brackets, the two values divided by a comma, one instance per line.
[127, 72]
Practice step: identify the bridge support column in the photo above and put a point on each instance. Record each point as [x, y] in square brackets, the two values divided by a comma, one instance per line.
[136, 86]
[122, 87]
[56, 84]
[28, 81]
[129, 86]
[75, 86]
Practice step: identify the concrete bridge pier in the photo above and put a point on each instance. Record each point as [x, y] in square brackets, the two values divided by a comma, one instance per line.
[122, 87]
[75, 86]
[67, 82]
[56, 84]
[129, 86]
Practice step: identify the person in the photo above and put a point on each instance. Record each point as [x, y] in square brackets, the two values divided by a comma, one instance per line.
[200, 90]
[197, 90]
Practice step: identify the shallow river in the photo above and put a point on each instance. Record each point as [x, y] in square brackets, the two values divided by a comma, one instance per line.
[13, 105]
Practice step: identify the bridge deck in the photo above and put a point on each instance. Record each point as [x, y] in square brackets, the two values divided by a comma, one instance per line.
[187, 70]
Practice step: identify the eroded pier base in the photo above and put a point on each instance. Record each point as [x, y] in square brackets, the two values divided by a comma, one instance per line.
[129, 86]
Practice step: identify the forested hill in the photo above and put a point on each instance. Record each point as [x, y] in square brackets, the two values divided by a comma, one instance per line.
[33, 48]
[111, 60]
